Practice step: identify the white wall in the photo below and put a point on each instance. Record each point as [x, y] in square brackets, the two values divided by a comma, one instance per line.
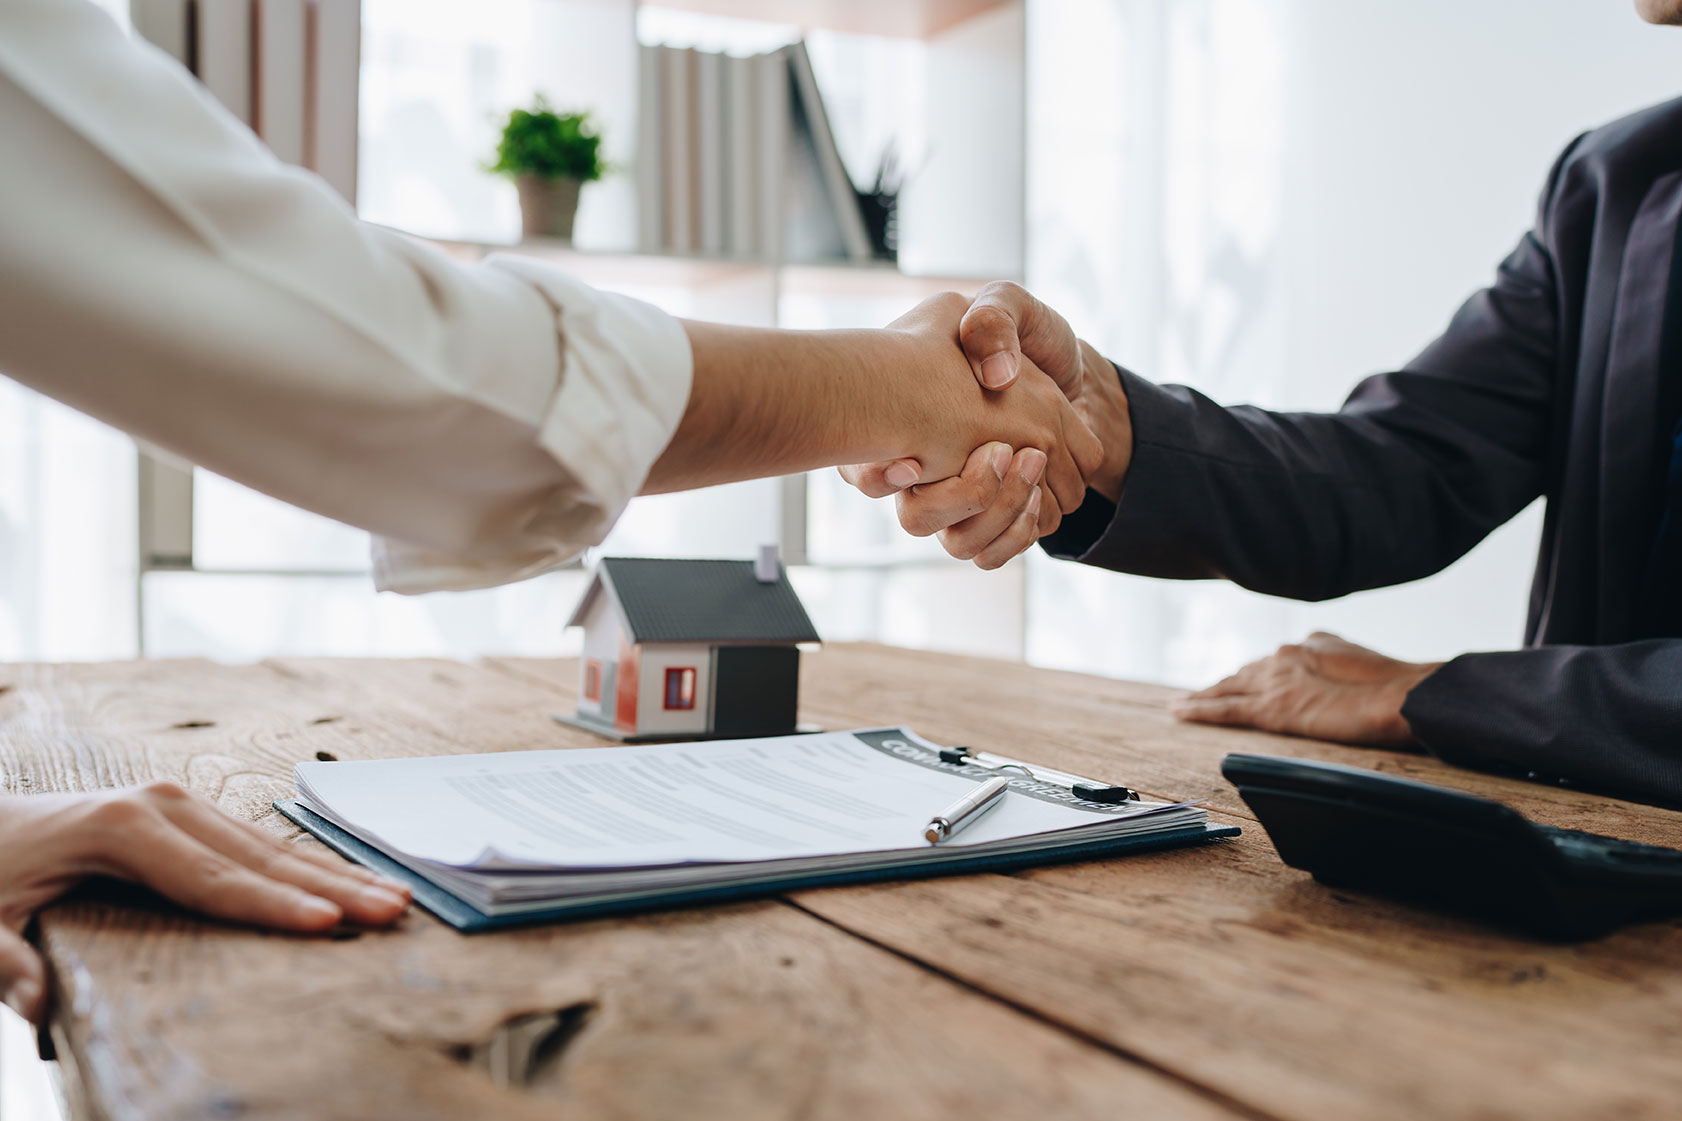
[653, 717]
[1269, 199]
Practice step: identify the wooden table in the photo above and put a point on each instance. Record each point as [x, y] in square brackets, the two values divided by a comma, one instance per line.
[1209, 983]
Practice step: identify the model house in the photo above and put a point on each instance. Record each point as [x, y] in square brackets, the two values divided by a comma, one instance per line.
[690, 649]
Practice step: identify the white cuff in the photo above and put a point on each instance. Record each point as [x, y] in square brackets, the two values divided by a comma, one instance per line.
[626, 370]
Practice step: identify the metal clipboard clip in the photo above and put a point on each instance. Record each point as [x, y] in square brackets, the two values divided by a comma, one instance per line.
[1088, 790]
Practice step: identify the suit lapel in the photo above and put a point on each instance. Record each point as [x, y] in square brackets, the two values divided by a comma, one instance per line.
[1630, 402]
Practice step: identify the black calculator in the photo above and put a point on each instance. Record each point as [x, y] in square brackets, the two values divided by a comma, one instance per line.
[1364, 831]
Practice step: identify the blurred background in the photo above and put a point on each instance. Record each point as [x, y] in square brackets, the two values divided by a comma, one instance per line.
[1264, 199]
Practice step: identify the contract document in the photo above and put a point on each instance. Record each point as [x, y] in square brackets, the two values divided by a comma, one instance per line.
[531, 831]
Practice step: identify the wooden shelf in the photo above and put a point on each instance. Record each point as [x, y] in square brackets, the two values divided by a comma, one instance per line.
[902, 19]
[874, 282]
[604, 268]
[841, 280]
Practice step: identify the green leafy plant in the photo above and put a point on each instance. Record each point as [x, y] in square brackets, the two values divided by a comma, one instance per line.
[539, 141]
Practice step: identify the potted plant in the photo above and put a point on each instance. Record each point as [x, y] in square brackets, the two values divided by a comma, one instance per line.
[549, 156]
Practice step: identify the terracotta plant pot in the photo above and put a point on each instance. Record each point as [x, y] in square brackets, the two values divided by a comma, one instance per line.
[547, 206]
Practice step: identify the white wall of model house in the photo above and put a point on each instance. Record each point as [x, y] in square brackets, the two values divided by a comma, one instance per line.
[602, 638]
[653, 717]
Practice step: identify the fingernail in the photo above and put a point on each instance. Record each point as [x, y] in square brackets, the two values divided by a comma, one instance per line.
[396, 887]
[997, 371]
[381, 899]
[23, 995]
[1000, 459]
[315, 909]
[1032, 467]
[1034, 503]
[900, 475]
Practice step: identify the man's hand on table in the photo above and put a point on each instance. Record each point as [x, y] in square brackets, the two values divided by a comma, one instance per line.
[1323, 687]
[989, 513]
[181, 846]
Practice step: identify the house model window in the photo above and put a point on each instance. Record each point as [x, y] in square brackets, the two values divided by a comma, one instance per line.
[689, 649]
[680, 688]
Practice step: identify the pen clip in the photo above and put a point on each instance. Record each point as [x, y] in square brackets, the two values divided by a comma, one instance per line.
[1084, 789]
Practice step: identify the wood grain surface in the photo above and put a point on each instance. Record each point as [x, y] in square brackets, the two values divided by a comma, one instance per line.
[1203, 983]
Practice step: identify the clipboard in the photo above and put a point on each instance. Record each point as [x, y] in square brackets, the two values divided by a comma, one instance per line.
[468, 919]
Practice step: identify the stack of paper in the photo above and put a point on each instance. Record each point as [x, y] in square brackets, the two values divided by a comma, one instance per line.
[535, 831]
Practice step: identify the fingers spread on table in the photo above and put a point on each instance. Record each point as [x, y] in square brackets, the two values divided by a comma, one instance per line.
[359, 894]
[1237, 709]
[155, 852]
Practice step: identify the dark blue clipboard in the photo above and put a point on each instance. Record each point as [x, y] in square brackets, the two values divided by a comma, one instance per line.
[470, 920]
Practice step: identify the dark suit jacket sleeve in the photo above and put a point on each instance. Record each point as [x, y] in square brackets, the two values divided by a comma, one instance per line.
[1416, 468]
[1607, 717]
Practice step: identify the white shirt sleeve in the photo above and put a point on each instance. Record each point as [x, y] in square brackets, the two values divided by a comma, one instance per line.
[160, 270]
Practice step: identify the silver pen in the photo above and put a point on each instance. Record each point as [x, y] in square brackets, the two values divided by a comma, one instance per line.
[966, 810]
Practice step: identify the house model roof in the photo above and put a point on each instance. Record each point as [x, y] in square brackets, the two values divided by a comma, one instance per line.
[698, 601]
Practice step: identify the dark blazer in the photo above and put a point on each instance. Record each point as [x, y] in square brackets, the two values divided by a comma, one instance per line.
[1558, 380]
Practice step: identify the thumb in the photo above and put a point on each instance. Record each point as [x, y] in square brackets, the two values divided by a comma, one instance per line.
[1006, 323]
[878, 480]
[23, 976]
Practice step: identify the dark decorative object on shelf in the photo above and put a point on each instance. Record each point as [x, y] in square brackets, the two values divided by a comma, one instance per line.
[880, 207]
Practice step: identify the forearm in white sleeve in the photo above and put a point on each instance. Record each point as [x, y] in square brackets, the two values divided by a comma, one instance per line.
[161, 271]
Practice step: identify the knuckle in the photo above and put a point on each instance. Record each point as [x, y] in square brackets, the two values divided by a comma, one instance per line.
[122, 814]
[211, 876]
[949, 301]
[165, 792]
[987, 318]
[1001, 289]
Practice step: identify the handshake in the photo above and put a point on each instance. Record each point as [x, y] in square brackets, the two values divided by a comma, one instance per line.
[998, 463]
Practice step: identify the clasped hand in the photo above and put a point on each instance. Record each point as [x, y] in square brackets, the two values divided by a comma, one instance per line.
[1006, 497]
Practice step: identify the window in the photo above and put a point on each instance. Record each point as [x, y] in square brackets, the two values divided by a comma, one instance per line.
[680, 687]
[593, 679]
